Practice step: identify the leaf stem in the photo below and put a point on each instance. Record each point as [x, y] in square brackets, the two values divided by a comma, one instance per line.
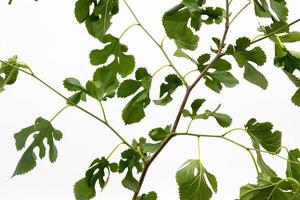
[80, 108]
[159, 69]
[127, 29]
[192, 71]
[114, 150]
[240, 11]
[198, 145]
[103, 111]
[157, 43]
[189, 126]
[254, 161]
[59, 112]
[276, 31]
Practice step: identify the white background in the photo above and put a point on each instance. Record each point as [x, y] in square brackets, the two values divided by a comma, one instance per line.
[46, 36]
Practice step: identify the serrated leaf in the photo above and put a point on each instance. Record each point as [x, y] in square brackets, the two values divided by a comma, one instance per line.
[42, 130]
[243, 56]
[262, 134]
[141, 73]
[82, 10]
[150, 196]
[128, 87]
[261, 8]
[290, 37]
[254, 76]
[82, 191]
[296, 98]
[195, 182]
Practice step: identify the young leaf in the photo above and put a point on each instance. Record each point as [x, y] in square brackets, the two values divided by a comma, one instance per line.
[293, 164]
[254, 76]
[73, 84]
[261, 133]
[41, 130]
[9, 72]
[159, 134]
[150, 196]
[82, 191]
[223, 120]
[195, 182]
[130, 160]
[167, 89]
[196, 105]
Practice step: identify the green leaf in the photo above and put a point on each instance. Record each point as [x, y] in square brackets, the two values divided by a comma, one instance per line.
[172, 82]
[73, 84]
[254, 76]
[222, 65]
[96, 173]
[296, 98]
[82, 191]
[223, 120]
[142, 73]
[75, 98]
[213, 84]
[280, 8]
[195, 182]
[261, 8]
[150, 196]
[225, 78]
[202, 60]
[82, 10]
[9, 72]
[122, 63]
[261, 133]
[290, 37]
[41, 130]
[243, 56]
[270, 189]
[160, 134]
[128, 87]
[99, 21]
[286, 59]
[130, 160]
[196, 105]
[293, 164]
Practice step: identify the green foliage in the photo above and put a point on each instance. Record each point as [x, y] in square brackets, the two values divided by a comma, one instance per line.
[223, 120]
[98, 20]
[74, 85]
[149, 196]
[159, 134]
[293, 164]
[254, 76]
[167, 89]
[134, 111]
[131, 159]
[82, 191]
[195, 182]
[41, 130]
[271, 189]
[262, 134]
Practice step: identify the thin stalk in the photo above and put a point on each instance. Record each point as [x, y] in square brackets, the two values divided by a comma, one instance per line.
[80, 108]
[103, 111]
[232, 130]
[59, 112]
[189, 126]
[198, 145]
[159, 69]
[192, 71]
[254, 161]
[240, 11]
[114, 150]
[157, 44]
[127, 29]
[276, 31]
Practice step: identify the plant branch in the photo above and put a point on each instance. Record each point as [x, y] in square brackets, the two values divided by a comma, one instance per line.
[127, 29]
[80, 108]
[157, 44]
[182, 106]
[103, 111]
